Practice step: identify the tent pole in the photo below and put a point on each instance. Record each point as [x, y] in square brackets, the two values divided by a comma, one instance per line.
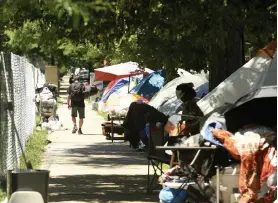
[128, 83]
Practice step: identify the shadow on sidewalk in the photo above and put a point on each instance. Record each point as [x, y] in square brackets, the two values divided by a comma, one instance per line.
[100, 188]
[113, 154]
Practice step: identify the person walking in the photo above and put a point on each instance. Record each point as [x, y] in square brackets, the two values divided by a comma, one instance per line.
[71, 79]
[76, 103]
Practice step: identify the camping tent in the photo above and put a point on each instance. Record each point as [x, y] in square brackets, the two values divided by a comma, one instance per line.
[118, 71]
[117, 103]
[120, 83]
[115, 96]
[166, 101]
[259, 71]
[109, 86]
[150, 84]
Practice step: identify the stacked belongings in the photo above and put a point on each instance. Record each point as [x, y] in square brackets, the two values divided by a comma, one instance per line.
[244, 132]
[117, 128]
[193, 174]
[246, 139]
[251, 138]
[47, 101]
[255, 148]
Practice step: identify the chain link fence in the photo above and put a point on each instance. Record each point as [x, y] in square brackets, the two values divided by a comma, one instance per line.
[18, 81]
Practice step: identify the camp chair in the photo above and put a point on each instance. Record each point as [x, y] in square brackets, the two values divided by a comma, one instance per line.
[156, 158]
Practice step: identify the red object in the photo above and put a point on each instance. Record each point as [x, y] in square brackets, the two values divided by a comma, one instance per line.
[119, 71]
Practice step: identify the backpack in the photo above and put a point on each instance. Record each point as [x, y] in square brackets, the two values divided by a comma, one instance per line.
[76, 91]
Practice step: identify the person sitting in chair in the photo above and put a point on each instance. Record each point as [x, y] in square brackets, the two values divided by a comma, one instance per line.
[186, 93]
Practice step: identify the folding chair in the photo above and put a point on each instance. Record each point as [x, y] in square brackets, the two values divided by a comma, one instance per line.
[156, 158]
[200, 190]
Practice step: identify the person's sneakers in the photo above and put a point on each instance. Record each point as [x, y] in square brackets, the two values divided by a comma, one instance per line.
[74, 129]
[80, 131]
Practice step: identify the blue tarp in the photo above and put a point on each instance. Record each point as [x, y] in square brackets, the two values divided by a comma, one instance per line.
[150, 84]
[120, 83]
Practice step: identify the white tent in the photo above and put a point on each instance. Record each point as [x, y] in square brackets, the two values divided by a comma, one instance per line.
[259, 71]
[166, 101]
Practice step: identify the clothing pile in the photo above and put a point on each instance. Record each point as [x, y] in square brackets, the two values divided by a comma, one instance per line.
[255, 147]
[252, 149]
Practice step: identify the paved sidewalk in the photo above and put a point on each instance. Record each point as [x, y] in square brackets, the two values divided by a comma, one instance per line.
[88, 168]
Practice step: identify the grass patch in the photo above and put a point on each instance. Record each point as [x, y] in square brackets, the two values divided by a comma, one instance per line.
[38, 119]
[33, 152]
[102, 114]
[59, 101]
[35, 149]
[3, 189]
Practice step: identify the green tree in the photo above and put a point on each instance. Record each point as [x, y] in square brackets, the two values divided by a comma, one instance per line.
[197, 34]
[193, 35]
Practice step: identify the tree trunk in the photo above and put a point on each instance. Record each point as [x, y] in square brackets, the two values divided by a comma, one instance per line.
[226, 59]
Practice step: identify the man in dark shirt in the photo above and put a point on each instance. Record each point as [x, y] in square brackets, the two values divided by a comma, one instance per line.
[76, 105]
[71, 79]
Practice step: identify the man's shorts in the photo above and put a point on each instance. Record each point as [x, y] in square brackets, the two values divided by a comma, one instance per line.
[80, 110]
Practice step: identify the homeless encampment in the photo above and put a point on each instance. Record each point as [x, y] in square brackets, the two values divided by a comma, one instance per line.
[240, 118]
[162, 104]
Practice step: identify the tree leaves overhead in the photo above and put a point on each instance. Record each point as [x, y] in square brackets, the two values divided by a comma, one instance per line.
[155, 33]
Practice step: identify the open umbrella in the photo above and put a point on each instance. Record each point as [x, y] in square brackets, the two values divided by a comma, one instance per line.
[258, 107]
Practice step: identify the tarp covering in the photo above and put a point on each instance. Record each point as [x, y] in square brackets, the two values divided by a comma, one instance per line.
[150, 84]
[118, 71]
[166, 101]
[259, 71]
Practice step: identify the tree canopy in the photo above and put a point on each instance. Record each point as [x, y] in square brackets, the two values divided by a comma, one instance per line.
[192, 35]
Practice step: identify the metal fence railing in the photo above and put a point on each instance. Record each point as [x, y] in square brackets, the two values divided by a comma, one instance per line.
[18, 81]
